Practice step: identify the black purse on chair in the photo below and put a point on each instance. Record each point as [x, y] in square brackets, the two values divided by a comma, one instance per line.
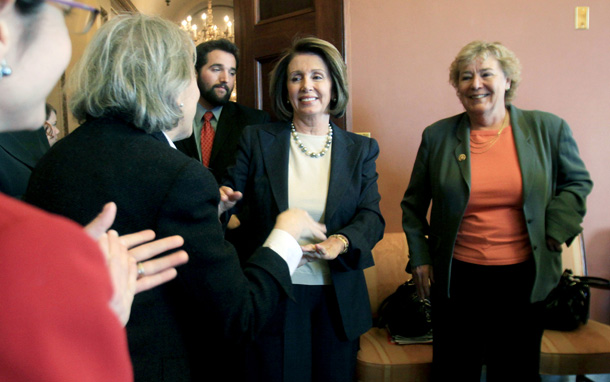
[567, 306]
[405, 316]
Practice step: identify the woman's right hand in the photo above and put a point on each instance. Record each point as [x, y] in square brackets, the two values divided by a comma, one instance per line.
[125, 252]
[423, 276]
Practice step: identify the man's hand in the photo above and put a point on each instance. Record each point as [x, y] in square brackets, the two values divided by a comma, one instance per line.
[228, 199]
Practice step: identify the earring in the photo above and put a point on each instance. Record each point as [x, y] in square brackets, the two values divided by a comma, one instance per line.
[5, 70]
[181, 104]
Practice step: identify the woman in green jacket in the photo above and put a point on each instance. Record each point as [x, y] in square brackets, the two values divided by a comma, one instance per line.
[507, 188]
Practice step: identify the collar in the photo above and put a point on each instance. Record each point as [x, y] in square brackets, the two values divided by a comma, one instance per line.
[169, 140]
[201, 111]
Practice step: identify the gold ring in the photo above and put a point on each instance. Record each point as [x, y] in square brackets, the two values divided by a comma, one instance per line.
[141, 272]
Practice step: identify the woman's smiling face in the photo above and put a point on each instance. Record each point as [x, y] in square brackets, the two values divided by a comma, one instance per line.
[482, 86]
[309, 85]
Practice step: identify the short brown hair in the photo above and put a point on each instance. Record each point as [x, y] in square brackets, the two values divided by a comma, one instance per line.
[480, 49]
[278, 90]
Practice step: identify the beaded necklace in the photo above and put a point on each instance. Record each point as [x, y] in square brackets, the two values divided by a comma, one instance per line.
[305, 150]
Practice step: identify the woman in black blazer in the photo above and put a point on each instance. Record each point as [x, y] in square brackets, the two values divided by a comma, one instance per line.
[307, 162]
[136, 90]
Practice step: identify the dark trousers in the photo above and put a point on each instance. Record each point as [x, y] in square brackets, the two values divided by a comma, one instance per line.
[311, 348]
[488, 320]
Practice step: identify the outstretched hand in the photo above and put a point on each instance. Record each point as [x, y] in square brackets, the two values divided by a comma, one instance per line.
[157, 271]
[125, 256]
[123, 274]
[228, 199]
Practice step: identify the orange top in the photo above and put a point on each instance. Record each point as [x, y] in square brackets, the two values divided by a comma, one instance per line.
[493, 229]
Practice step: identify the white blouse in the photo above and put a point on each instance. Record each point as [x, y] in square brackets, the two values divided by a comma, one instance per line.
[308, 180]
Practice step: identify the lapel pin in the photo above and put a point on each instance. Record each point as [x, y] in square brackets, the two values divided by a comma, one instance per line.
[462, 157]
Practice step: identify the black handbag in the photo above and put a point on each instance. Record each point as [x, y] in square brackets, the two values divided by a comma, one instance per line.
[567, 306]
[405, 316]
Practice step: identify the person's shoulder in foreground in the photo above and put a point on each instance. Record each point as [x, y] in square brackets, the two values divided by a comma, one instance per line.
[55, 302]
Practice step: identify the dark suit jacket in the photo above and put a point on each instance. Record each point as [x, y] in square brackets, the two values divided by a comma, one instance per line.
[352, 207]
[176, 331]
[19, 153]
[233, 118]
[555, 186]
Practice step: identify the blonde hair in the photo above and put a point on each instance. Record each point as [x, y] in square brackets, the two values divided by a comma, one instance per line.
[480, 49]
[135, 68]
[278, 90]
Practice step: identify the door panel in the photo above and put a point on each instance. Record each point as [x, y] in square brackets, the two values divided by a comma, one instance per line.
[265, 28]
[270, 9]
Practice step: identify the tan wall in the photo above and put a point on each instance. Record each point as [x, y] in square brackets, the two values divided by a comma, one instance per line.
[398, 55]
[79, 42]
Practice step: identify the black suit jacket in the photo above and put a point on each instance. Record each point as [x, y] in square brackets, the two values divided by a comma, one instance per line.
[176, 331]
[19, 153]
[352, 206]
[233, 118]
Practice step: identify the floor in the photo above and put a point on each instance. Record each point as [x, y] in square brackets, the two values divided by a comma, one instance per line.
[570, 378]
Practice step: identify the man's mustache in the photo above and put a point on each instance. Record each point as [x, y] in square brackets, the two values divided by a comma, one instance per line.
[225, 87]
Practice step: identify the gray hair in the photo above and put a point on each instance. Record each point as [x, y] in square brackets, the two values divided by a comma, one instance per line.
[135, 67]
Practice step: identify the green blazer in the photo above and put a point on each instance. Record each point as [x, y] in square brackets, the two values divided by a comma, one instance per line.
[555, 186]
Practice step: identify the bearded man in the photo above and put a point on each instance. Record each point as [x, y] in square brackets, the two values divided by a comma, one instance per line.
[218, 122]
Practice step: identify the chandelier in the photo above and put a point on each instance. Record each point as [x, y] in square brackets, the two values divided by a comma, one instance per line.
[209, 30]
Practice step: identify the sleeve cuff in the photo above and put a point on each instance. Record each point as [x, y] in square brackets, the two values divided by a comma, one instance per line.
[282, 243]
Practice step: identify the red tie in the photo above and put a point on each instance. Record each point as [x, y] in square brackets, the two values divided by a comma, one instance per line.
[207, 138]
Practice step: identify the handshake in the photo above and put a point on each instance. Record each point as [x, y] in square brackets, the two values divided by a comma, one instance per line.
[130, 257]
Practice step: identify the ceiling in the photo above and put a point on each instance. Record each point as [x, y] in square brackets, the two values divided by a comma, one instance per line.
[177, 9]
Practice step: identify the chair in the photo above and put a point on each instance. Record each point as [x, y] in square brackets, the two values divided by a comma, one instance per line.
[378, 359]
[585, 350]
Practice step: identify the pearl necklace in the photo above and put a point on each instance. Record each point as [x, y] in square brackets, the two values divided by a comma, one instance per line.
[304, 149]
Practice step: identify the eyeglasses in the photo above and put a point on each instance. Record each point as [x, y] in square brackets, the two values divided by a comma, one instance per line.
[79, 17]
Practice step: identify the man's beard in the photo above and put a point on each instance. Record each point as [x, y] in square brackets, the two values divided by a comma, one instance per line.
[210, 95]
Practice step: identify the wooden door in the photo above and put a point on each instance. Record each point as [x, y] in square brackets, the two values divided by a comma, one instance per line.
[265, 28]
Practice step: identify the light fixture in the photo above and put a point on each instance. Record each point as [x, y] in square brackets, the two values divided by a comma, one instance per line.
[209, 30]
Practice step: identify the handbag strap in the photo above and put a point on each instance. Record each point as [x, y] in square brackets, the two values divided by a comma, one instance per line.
[594, 282]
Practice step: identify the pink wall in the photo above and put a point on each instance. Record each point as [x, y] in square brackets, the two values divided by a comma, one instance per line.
[398, 54]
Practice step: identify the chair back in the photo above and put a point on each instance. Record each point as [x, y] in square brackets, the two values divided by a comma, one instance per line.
[574, 257]
[391, 256]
